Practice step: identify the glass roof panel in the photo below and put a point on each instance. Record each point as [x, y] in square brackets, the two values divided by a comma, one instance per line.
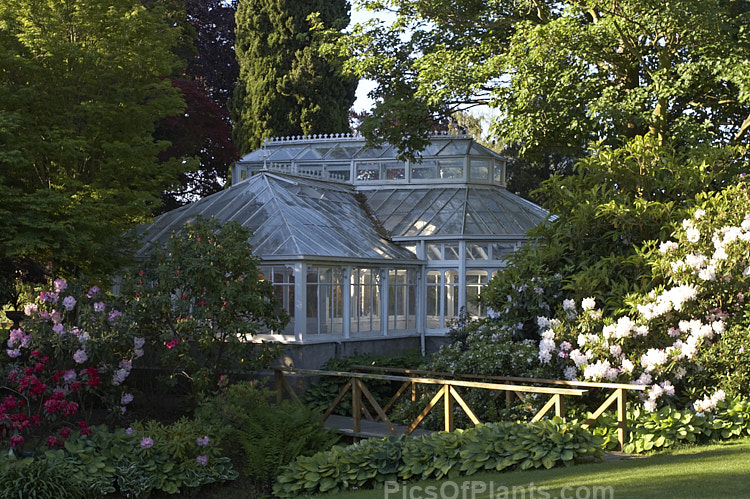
[376, 152]
[432, 149]
[340, 151]
[455, 148]
[312, 153]
[480, 150]
[284, 153]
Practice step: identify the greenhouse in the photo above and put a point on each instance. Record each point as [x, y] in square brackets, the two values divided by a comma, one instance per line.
[361, 245]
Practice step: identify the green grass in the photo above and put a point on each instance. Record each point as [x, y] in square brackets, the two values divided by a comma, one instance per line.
[710, 471]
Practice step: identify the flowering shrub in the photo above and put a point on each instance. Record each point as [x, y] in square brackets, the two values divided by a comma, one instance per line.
[199, 301]
[72, 353]
[702, 277]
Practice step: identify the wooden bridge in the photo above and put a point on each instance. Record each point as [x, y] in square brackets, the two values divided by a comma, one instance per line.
[447, 383]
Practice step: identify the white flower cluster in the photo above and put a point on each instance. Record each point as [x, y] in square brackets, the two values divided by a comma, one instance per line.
[654, 358]
[600, 370]
[657, 390]
[624, 328]
[668, 247]
[547, 346]
[122, 372]
[668, 300]
[708, 404]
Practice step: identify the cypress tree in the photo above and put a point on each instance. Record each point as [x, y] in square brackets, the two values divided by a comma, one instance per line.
[286, 86]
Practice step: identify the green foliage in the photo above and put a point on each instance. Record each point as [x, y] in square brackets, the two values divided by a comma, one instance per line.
[39, 479]
[287, 86]
[616, 201]
[669, 426]
[274, 435]
[82, 84]
[198, 298]
[501, 446]
[122, 461]
[559, 74]
[264, 436]
[227, 411]
[726, 363]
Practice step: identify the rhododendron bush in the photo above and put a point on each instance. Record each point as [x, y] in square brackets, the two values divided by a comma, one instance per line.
[199, 300]
[669, 338]
[71, 355]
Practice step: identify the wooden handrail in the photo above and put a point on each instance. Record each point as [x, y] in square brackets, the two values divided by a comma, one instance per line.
[618, 395]
[589, 384]
[432, 381]
[447, 393]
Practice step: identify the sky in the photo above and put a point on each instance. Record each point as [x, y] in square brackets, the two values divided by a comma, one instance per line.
[362, 102]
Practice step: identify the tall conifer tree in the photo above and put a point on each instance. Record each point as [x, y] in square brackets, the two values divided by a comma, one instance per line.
[286, 86]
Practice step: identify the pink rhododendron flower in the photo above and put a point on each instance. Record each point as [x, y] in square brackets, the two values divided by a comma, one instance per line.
[80, 356]
[60, 285]
[69, 303]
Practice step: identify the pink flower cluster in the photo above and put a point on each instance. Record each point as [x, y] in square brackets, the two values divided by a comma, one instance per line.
[47, 389]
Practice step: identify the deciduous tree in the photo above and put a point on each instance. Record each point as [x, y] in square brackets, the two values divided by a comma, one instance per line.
[562, 74]
[82, 84]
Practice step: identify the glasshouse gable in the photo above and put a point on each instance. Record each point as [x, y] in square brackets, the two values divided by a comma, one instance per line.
[367, 252]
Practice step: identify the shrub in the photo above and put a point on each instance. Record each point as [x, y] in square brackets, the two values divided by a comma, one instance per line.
[199, 300]
[269, 435]
[726, 418]
[665, 340]
[274, 435]
[143, 458]
[501, 446]
[72, 354]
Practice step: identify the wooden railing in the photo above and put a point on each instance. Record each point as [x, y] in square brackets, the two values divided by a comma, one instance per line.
[447, 392]
[619, 392]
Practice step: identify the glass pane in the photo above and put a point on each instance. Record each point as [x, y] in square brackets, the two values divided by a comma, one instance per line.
[500, 172]
[501, 250]
[395, 170]
[475, 281]
[451, 303]
[451, 251]
[339, 172]
[475, 251]
[452, 168]
[451, 276]
[342, 152]
[312, 308]
[425, 169]
[433, 307]
[480, 168]
[368, 170]
[433, 277]
[434, 252]
[455, 148]
[412, 320]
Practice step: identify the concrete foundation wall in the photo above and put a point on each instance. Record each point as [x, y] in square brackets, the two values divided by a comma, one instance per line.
[314, 355]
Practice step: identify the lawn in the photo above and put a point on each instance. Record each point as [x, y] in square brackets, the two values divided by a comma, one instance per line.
[710, 471]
